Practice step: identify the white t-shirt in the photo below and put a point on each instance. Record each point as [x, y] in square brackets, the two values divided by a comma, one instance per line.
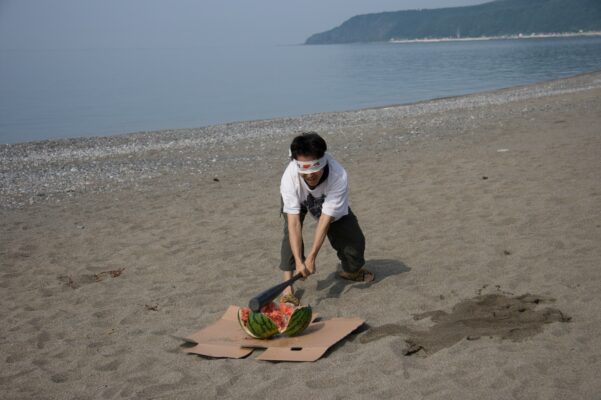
[329, 197]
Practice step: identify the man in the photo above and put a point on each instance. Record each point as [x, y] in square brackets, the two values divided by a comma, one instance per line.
[315, 183]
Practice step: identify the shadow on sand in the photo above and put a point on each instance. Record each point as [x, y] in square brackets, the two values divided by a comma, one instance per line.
[382, 269]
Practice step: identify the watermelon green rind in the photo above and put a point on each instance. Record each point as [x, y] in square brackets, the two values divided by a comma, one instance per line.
[299, 321]
[261, 326]
[244, 328]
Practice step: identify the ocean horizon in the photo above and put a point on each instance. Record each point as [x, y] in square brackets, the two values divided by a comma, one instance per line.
[68, 93]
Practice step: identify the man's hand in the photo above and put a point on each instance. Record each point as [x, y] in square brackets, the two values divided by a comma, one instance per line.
[301, 268]
[310, 264]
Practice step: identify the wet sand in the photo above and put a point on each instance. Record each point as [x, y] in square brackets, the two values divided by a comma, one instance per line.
[112, 247]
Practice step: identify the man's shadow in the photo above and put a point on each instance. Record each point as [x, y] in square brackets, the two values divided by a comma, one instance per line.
[382, 269]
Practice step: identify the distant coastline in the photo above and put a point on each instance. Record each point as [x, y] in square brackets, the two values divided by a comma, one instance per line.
[501, 37]
[490, 19]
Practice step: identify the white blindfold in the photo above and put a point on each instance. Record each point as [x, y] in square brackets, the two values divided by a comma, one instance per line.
[309, 167]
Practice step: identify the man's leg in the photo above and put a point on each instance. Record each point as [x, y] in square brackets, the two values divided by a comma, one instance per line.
[347, 239]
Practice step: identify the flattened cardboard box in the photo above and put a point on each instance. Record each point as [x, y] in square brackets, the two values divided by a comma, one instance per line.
[225, 339]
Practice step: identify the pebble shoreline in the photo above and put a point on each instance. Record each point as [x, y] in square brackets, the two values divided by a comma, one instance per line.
[49, 170]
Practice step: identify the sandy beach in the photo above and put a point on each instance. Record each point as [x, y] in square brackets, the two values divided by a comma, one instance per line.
[113, 248]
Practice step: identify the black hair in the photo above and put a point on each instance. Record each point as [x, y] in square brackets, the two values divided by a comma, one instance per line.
[308, 144]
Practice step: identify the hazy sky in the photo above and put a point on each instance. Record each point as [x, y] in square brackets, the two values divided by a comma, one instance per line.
[41, 24]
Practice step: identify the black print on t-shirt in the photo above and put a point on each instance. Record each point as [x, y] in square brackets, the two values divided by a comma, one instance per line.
[313, 205]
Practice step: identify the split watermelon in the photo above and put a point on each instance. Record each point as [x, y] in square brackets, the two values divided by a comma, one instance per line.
[274, 319]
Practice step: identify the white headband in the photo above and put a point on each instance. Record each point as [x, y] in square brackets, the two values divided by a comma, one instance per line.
[309, 167]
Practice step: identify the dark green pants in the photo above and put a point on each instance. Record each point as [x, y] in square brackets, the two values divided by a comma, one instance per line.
[345, 236]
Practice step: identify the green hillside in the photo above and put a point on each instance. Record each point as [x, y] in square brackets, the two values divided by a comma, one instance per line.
[496, 18]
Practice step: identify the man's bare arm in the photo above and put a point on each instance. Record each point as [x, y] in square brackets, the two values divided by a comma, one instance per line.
[320, 234]
[296, 242]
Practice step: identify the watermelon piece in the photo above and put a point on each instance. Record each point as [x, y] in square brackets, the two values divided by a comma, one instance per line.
[275, 319]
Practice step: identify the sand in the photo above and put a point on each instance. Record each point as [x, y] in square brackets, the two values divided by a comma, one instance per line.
[466, 203]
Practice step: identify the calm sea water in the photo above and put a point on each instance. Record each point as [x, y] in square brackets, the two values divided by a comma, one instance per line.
[72, 93]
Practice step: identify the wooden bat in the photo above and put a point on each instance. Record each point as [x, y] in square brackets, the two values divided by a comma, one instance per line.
[268, 295]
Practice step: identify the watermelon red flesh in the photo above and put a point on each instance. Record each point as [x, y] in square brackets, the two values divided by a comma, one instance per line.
[280, 315]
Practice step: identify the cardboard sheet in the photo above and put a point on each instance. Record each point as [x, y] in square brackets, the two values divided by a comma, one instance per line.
[226, 339]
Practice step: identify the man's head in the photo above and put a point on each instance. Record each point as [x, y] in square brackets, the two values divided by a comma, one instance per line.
[308, 150]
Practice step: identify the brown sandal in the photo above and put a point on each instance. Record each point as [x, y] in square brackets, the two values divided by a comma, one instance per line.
[361, 275]
[289, 298]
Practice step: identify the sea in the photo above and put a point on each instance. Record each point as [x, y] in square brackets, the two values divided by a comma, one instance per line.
[69, 93]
